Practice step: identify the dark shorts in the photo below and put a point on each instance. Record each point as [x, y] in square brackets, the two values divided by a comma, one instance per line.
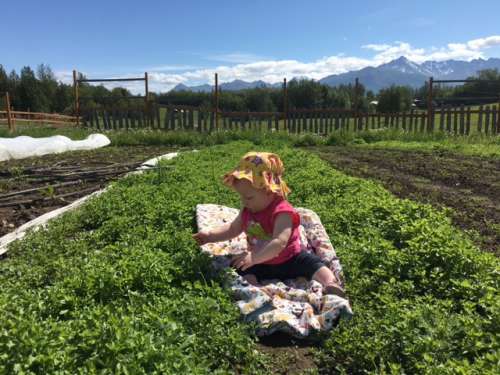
[304, 264]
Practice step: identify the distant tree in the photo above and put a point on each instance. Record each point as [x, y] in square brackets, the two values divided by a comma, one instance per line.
[259, 100]
[63, 99]
[120, 92]
[370, 95]
[487, 85]
[31, 97]
[229, 101]
[485, 89]
[395, 99]
[4, 86]
[304, 93]
[13, 86]
[99, 93]
[47, 86]
[4, 80]
[358, 99]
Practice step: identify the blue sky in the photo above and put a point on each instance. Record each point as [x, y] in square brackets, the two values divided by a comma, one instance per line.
[186, 41]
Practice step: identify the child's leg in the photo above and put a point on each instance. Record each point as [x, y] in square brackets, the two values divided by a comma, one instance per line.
[330, 283]
[311, 266]
[252, 279]
[253, 274]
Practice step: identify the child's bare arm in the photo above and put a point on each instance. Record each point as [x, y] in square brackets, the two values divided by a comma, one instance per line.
[222, 233]
[227, 231]
[281, 234]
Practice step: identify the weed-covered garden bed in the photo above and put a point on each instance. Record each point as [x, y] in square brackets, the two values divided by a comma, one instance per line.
[385, 138]
[120, 286]
[34, 186]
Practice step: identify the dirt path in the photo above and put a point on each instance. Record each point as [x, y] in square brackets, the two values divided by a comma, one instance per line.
[62, 179]
[289, 355]
[467, 184]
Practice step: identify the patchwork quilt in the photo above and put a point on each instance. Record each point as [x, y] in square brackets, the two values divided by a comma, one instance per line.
[297, 306]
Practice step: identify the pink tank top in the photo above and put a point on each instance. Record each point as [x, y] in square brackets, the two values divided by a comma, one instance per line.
[259, 226]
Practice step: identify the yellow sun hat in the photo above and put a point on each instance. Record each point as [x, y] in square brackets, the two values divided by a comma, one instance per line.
[263, 169]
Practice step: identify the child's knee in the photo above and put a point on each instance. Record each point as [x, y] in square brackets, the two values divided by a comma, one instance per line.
[324, 275]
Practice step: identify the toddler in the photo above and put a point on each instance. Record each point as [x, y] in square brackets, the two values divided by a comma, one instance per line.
[271, 225]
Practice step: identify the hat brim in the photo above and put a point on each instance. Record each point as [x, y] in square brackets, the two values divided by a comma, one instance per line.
[259, 182]
[237, 174]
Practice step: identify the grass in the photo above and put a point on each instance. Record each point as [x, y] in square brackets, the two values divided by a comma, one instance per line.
[475, 144]
[119, 286]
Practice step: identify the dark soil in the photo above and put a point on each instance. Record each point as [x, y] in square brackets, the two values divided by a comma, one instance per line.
[289, 355]
[81, 172]
[469, 185]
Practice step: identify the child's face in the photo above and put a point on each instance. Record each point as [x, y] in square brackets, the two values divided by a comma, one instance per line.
[253, 199]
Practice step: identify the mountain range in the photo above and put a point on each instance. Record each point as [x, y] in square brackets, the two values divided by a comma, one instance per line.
[400, 71]
[235, 85]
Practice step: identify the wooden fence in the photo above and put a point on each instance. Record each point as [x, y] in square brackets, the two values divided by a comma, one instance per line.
[149, 116]
[11, 118]
[459, 121]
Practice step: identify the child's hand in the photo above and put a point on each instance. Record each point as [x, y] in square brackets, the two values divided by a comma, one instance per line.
[243, 261]
[202, 238]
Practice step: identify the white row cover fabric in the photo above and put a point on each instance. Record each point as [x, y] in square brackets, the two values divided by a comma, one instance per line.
[24, 146]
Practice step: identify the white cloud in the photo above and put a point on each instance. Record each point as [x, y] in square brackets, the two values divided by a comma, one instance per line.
[472, 49]
[248, 69]
[377, 47]
[481, 43]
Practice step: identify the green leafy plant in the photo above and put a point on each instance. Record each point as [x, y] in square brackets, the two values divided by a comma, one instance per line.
[119, 286]
[49, 191]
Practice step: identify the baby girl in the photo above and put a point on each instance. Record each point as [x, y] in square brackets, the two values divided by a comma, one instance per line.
[271, 225]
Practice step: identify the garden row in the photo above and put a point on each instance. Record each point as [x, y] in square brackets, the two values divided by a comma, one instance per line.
[34, 186]
[119, 286]
[476, 144]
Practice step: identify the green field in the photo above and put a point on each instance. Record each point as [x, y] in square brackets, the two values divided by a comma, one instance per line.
[476, 144]
[119, 286]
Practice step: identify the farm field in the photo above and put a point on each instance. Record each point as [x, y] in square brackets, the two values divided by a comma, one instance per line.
[119, 285]
[468, 185]
[316, 196]
[33, 186]
[478, 145]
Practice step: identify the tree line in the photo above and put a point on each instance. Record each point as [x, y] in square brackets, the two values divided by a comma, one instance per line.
[40, 91]
[302, 93]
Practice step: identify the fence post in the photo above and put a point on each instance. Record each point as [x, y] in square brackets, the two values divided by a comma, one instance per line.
[498, 119]
[216, 97]
[285, 105]
[430, 108]
[356, 84]
[77, 99]
[147, 109]
[9, 115]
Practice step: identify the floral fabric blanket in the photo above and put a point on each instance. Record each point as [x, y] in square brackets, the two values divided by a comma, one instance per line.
[298, 306]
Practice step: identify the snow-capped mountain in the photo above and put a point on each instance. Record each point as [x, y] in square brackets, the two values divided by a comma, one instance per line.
[400, 71]
[456, 69]
[403, 65]
[235, 85]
